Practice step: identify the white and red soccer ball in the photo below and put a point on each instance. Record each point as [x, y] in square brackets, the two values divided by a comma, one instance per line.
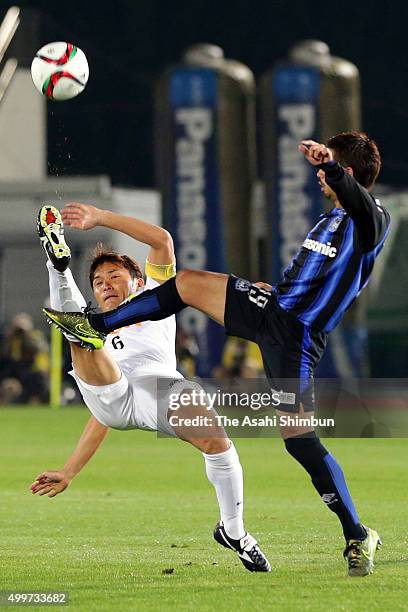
[60, 71]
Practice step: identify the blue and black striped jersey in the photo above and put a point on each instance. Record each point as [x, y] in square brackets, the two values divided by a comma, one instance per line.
[336, 259]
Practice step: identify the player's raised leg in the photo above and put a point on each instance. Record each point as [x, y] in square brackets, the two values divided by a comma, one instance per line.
[93, 368]
[205, 291]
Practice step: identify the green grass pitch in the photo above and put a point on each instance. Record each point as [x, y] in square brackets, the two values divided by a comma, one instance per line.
[134, 530]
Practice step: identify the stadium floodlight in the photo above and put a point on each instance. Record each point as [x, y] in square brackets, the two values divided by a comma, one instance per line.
[8, 28]
[6, 75]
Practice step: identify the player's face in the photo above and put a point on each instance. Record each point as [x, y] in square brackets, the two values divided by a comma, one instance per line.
[327, 191]
[112, 284]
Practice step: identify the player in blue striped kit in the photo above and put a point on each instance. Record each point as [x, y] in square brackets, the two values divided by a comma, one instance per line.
[291, 320]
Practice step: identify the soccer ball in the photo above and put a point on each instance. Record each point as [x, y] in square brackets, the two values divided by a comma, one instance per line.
[60, 71]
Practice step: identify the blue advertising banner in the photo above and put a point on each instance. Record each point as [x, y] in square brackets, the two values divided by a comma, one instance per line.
[196, 219]
[297, 200]
[296, 197]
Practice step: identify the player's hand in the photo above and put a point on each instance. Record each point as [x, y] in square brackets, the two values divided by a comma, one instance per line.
[50, 483]
[81, 216]
[315, 153]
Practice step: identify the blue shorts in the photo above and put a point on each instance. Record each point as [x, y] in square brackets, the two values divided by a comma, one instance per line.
[290, 350]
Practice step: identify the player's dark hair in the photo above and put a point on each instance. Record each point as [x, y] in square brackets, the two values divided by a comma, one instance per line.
[101, 254]
[360, 152]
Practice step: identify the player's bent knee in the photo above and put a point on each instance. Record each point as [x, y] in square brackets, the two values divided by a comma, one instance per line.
[292, 425]
[211, 445]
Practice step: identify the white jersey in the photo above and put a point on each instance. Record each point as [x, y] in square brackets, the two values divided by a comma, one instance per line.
[145, 349]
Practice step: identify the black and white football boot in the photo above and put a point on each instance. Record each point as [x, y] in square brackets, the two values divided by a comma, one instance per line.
[51, 232]
[246, 548]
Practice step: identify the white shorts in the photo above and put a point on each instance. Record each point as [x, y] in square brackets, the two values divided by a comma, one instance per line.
[131, 403]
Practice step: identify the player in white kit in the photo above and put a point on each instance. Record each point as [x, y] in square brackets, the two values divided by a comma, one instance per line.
[119, 382]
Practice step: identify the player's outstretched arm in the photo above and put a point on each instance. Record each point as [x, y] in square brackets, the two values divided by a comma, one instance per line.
[53, 482]
[86, 217]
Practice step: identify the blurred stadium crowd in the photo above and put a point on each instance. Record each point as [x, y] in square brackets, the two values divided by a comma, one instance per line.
[24, 363]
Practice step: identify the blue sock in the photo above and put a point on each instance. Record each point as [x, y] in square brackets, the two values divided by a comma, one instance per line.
[328, 479]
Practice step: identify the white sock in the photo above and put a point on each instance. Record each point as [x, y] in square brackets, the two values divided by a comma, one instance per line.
[224, 471]
[64, 293]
